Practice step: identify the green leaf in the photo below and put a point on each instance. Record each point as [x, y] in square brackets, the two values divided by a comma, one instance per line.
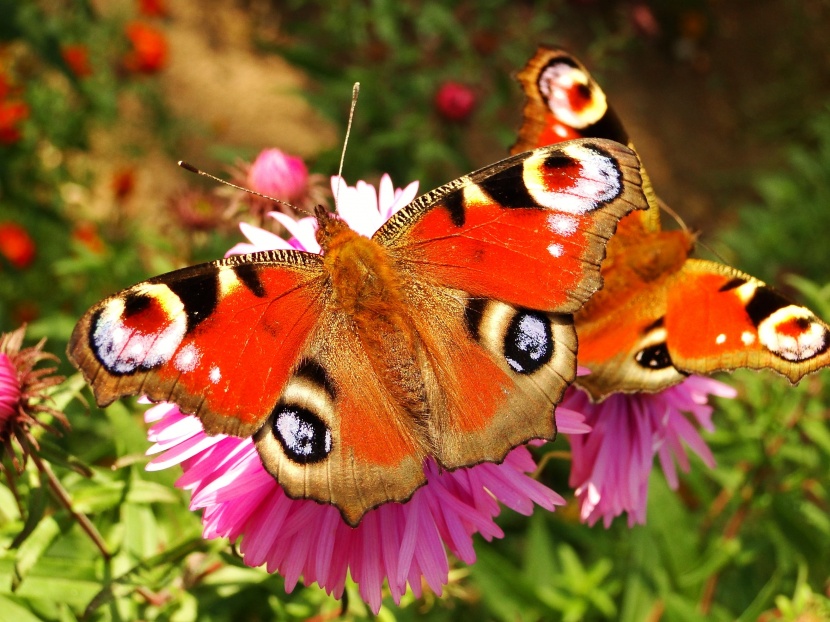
[34, 547]
[12, 611]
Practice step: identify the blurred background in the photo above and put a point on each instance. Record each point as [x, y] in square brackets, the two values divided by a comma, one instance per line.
[729, 106]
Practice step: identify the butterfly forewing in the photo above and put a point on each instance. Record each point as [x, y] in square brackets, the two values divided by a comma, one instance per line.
[530, 231]
[219, 339]
[719, 318]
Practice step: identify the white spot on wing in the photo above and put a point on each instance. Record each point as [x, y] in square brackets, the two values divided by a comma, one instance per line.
[747, 338]
[720, 339]
[563, 224]
[215, 374]
[556, 250]
[188, 358]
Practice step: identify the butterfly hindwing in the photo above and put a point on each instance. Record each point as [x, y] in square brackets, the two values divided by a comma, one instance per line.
[494, 373]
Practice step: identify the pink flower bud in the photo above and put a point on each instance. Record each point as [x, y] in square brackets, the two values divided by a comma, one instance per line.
[278, 175]
[455, 101]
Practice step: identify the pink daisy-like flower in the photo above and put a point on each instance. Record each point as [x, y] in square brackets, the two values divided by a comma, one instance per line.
[401, 544]
[611, 464]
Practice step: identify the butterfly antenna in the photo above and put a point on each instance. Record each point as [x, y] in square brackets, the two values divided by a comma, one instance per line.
[189, 167]
[355, 93]
[719, 256]
[664, 206]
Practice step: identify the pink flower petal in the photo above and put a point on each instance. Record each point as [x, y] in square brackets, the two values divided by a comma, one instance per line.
[304, 231]
[611, 463]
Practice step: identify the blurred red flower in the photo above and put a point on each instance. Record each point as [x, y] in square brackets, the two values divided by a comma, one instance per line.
[16, 245]
[149, 48]
[76, 55]
[11, 114]
[86, 234]
[643, 20]
[123, 183]
[152, 8]
[455, 101]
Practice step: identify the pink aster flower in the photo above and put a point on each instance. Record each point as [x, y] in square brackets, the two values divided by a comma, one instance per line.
[612, 463]
[402, 544]
[24, 401]
[9, 390]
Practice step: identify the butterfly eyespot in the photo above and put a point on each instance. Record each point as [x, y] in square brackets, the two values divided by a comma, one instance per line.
[793, 334]
[138, 331]
[654, 357]
[570, 94]
[304, 437]
[528, 344]
[576, 180]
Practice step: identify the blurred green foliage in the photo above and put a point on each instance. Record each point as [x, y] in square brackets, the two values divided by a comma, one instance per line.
[749, 540]
[778, 231]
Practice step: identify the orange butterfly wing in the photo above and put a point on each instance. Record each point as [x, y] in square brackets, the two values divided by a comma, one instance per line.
[660, 315]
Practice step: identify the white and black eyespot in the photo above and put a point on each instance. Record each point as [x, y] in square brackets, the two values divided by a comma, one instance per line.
[304, 437]
[794, 334]
[654, 356]
[528, 343]
[575, 179]
[571, 95]
[522, 338]
[138, 330]
[300, 430]
[652, 351]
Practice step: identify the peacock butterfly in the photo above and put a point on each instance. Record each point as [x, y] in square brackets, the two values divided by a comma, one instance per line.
[447, 334]
[661, 314]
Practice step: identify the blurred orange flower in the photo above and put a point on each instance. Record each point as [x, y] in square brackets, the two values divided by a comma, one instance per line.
[16, 245]
[149, 48]
[123, 183]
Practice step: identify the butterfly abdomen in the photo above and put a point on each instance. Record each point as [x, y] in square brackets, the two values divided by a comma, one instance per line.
[368, 290]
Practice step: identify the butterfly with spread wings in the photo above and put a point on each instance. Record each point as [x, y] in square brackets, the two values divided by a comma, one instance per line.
[448, 334]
